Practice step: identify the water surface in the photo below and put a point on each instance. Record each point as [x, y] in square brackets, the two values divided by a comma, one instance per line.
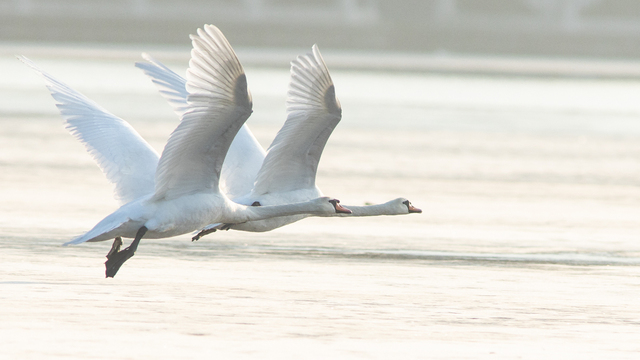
[527, 246]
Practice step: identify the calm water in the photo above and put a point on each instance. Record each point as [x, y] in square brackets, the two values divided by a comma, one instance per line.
[528, 247]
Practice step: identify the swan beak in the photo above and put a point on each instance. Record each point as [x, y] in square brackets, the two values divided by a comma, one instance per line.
[339, 208]
[342, 210]
[413, 209]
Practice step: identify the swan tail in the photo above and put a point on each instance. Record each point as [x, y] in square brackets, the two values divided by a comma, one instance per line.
[104, 230]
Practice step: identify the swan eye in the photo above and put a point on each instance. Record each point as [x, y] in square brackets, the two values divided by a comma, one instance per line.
[256, 203]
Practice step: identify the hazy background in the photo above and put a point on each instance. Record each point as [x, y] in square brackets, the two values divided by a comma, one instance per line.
[513, 124]
[575, 28]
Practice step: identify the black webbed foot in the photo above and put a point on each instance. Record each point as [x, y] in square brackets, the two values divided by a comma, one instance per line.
[116, 260]
[117, 257]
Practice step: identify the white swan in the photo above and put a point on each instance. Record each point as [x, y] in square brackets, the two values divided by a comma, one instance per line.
[288, 171]
[187, 195]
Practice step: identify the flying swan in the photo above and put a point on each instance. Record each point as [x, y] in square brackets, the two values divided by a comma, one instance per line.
[186, 194]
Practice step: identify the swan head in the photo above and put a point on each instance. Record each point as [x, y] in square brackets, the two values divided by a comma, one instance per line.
[402, 206]
[410, 208]
[339, 209]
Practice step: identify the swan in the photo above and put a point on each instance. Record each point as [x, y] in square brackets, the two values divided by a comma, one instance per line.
[287, 171]
[186, 194]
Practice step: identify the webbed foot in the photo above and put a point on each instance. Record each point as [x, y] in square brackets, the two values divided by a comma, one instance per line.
[116, 260]
[117, 257]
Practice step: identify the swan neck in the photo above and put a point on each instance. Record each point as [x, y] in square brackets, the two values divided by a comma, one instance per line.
[265, 212]
[371, 210]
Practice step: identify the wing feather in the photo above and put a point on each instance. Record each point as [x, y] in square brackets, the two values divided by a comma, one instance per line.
[313, 111]
[125, 158]
[245, 154]
[171, 85]
[219, 104]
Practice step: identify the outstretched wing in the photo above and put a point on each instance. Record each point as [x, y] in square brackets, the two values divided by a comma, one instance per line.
[125, 158]
[313, 111]
[219, 103]
[245, 156]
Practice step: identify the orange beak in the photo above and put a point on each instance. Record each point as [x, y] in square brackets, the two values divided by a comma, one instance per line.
[413, 209]
[339, 208]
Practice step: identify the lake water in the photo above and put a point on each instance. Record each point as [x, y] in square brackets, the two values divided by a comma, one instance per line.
[528, 246]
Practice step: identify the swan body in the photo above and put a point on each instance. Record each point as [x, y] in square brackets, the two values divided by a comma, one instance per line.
[166, 218]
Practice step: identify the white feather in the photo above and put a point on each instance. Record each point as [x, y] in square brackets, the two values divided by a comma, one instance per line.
[172, 86]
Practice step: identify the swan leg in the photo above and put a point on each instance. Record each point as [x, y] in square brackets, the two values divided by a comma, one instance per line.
[203, 233]
[117, 257]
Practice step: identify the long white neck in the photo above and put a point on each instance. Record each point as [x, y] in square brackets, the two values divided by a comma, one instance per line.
[242, 213]
[388, 208]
